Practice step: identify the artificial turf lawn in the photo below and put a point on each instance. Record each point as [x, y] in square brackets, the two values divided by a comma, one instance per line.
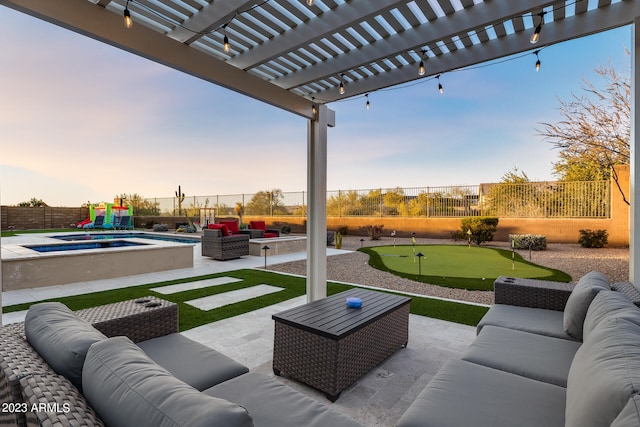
[191, 317]
[457, 266]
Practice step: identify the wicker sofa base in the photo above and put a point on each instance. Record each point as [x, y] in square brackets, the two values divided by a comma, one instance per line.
[331, 365]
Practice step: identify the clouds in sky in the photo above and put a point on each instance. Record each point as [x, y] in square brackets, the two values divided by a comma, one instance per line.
[82, 121]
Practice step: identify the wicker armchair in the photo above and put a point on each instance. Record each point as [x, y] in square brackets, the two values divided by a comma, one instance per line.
[220, 247]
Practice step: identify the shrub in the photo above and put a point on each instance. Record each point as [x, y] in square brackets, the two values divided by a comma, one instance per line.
[593, 238]
[534, 242]
[457, 235]
[343, 229]
[374, 231]
[482, 228]
[160, 227]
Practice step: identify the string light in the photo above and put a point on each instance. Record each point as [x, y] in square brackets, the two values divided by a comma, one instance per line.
[536, 34]
[421, 69]
[538, 61]
[314, 109]
[225, 40]
[128, 22]
[341, 89]
[440, 88]
[368, 105]
[309, 2]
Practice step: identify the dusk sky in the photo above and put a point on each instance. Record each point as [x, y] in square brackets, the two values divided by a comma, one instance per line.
[83, 121]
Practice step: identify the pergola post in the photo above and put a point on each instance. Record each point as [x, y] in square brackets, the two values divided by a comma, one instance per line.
[317, 203]
[634, 158]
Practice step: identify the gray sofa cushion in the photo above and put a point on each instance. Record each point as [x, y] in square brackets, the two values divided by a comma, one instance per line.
[534, 320]
[273, 404]
[534, 356]
[630, 415]
[608, 304]
[604, 374]
[61, 338]
[126, 388]
[466, 394]
[581, 297]
[192, 362]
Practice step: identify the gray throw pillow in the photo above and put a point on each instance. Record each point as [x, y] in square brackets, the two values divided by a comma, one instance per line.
[61, 338]
[608, 304]
[581, 297]
[126, 388]
[604, 374]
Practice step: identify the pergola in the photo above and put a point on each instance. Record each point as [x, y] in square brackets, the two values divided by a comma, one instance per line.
[299, 55]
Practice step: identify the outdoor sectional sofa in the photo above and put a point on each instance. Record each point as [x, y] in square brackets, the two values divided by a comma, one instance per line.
[59, 368]
[531, 366]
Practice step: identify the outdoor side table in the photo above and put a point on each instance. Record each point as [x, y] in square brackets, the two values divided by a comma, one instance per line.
[327, 345]
[532, 293]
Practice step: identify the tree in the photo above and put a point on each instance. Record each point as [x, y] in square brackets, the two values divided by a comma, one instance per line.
[266, 203]
[596, 130]
[141, 206]
[33, 203]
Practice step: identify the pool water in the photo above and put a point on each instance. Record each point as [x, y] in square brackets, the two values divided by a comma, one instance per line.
[83, 245]
[108, 236]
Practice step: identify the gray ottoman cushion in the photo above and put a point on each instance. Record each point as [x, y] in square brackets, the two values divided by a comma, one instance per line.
[196, 364]
[273, 404]
[533, 356]
[606, 305]
[466, 394]
[534, 320]
[126, 388]
[61, 338]
[583, 293]
[604, 374]
[630, 415]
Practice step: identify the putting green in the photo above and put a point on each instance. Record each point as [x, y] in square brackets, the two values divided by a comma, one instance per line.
[457, 265]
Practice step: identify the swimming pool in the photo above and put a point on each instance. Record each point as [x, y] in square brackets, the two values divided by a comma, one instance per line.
[83, 245]
[107, 236]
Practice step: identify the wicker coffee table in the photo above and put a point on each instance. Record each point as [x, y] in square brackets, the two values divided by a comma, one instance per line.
[327, 345]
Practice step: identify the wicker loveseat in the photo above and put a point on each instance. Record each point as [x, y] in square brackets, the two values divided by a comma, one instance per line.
[220, 245]
[573, 363]
[78, 376]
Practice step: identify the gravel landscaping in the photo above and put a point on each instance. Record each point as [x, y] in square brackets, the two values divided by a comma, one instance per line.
[352, 267]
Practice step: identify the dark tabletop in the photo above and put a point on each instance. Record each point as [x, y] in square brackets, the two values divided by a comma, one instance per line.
[332, 318]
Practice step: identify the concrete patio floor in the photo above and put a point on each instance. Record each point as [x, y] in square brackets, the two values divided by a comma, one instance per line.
[377, 399]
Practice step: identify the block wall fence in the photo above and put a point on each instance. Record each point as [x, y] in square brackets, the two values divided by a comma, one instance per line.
[557, 230]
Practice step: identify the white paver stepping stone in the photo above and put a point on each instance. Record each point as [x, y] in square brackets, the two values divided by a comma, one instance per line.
[232, 297]
[200, 284]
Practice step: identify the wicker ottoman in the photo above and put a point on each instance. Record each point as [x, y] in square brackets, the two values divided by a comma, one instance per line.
[329, 346]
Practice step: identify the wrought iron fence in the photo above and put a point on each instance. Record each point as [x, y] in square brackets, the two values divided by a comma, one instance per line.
[585, 199]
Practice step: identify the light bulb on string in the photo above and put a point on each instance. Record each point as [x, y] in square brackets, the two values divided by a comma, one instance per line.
[440, 88]
[368, 104]
[309, 2]
[341, 87]
[421, 69]
[225, 40]
[536, 33]
[128, 22]
[538, 61]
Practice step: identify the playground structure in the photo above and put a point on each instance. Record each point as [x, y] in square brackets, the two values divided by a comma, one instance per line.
[109, 216]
